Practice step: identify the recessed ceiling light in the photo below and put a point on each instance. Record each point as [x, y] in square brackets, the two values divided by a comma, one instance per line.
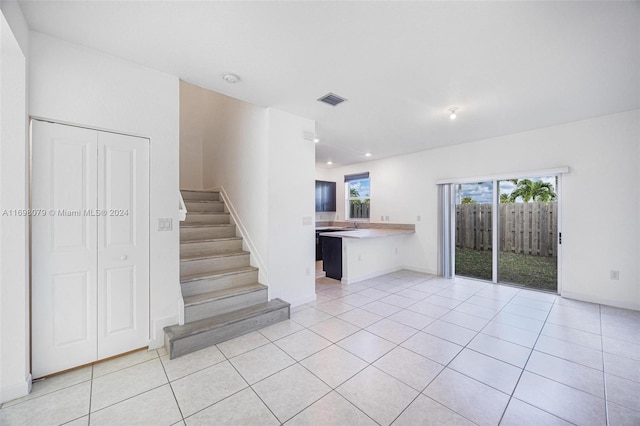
[368, 154]
[329, 163]
[452, 113]
[316, 140]
[230, 78]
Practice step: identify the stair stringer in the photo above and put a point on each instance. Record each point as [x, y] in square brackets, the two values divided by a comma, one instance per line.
[256, 259]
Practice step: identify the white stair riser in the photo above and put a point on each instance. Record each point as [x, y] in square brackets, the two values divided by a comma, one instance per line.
[200, 196]
[205, 207]
[208, 338]
[222, 306]
[192, 234]
[210, 247]
[200, 266]
[206, 285]
[208, 218]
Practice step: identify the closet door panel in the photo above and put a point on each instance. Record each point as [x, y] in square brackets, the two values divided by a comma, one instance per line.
[64, 247]
[123, 244]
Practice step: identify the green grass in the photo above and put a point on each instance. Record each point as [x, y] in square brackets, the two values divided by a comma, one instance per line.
[521, 269]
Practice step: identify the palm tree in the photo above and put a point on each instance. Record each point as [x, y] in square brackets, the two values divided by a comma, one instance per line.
[467, 200]
[536, 191]
[505, 198]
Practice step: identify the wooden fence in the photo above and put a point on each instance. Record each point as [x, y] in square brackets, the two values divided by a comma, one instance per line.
[526, 228]
[359, 211]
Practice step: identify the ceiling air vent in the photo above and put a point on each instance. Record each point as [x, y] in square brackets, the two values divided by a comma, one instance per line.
[332, 99]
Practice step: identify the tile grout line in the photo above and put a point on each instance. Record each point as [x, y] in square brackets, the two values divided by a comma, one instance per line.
[524, 369]
[171, 386]
[604, 374]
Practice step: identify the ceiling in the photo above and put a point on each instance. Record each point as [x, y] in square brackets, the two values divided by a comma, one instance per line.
[507, 66]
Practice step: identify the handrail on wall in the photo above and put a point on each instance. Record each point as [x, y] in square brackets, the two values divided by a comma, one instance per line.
[182, 208]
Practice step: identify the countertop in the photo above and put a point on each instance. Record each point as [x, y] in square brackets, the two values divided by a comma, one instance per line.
[332, 228]
[367, 233]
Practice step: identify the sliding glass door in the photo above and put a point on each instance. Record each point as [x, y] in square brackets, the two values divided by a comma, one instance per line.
[474, 230]
[507, 231]
[528, 232]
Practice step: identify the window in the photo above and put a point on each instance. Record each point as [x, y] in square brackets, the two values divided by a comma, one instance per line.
[358, 196]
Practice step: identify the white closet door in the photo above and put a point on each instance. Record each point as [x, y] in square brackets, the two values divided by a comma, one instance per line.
[64, 248]
[90, 249]
[123, 244]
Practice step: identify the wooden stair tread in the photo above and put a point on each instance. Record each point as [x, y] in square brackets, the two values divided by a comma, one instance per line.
[201, 190]
[211, 240]
[176, 332]
[222, 294]
[208, 213]
[222, 273]
[203, 225]
[212, 256]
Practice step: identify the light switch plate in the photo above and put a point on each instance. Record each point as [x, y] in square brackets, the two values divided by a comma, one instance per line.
[165, 224]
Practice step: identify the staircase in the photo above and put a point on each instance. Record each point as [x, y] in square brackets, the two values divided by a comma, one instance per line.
[222, 296]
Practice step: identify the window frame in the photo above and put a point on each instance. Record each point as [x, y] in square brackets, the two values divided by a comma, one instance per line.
[348, 179]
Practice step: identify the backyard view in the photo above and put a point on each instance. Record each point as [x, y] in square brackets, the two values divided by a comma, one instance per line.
[526, 234]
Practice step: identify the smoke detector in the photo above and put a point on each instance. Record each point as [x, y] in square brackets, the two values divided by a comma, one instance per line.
[230, 78]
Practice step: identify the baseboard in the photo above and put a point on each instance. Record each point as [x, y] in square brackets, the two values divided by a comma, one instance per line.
[158, 325]
[348, 281]
[422, 270]
[302, 300]
[600, 300]
[15, 391]
[263, 275]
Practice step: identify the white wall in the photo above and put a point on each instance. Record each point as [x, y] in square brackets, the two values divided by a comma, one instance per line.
[600, 197]
[76, 85]
[291, 207]
[192, 123]
[15, 380]
[260, 158]
[223, 143]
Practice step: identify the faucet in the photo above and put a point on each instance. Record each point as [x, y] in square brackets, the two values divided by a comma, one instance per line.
[355, 225]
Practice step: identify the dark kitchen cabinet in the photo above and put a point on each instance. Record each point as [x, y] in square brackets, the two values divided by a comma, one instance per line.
[325, 196]
[332, 257]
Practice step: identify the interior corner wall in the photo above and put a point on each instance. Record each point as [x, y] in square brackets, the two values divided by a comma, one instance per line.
[76, 85]
[266, 168]
[291, 208]
[232, 137]
[600, 198]
[192, 123]
[15, 380]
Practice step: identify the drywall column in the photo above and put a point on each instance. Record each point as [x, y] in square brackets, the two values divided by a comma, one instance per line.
[15, 380]
[291, 208]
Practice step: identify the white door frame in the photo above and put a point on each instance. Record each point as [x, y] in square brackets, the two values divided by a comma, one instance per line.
[558, 172]
[147, 300]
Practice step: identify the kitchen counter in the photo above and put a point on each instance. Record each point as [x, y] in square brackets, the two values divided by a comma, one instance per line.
[367, 233]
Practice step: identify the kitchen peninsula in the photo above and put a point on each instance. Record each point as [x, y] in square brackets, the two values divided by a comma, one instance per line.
[353, 254]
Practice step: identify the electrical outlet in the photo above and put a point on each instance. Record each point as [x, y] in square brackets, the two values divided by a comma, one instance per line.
[359, 258]
[382, 218]
[307, 271]
[419, 218]
[614, 275]
[306, 220]
[396, 250]
[386, 218]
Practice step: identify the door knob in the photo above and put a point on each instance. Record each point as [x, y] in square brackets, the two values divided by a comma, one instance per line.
[124, 257]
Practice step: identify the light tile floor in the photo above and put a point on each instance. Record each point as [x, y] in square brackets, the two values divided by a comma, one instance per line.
[403, 349]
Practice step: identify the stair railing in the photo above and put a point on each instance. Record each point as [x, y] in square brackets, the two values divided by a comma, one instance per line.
[182, 209]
